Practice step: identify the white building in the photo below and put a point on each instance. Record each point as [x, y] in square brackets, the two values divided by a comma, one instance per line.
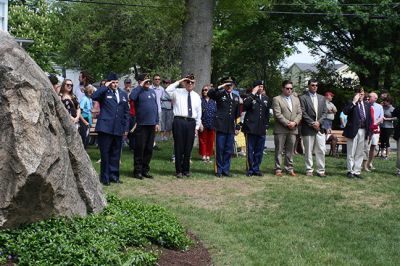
[4, 15]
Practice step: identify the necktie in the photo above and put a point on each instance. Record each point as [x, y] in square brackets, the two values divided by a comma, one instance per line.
[362, 114]
[116, 96]
[289, 103]
[189, 105]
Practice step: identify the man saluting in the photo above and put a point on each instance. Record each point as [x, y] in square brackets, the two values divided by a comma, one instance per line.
[112, 124]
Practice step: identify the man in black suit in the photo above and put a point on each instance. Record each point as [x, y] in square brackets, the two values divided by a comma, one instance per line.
[313, 107]
[357, 131]
[225, 125]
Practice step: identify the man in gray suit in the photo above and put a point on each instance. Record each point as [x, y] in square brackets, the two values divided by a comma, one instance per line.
[287, 113]
[314, 112]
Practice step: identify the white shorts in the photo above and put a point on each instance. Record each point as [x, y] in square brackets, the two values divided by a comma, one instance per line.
[375, 139]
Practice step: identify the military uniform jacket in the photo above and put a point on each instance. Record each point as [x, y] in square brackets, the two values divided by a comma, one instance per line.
[256, 119]
[228, 110]
[113, 117]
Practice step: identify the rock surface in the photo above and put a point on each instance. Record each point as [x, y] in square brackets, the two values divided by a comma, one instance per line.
[44, 169]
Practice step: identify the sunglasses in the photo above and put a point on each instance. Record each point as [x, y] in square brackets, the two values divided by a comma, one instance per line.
[314, 85]
[157, 79]
[289, 88]
[204, 90]
[69, 84]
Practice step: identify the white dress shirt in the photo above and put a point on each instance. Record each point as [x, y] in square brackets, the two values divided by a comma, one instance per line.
[289, 102]
[179, 97]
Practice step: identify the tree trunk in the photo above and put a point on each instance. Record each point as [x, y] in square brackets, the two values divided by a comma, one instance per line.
[197, 41]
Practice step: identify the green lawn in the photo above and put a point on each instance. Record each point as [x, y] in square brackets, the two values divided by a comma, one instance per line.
[268, 220]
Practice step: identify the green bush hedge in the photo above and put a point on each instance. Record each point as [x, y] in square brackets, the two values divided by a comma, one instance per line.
[116, 236]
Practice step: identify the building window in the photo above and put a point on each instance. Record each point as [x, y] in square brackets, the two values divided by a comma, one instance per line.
[3, 14]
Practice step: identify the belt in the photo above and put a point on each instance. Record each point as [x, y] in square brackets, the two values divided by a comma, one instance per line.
[184, 118]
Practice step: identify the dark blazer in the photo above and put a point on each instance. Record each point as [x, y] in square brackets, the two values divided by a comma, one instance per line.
[228, 110]
[396, 113]
[354, 120]
[113, 117]
[308, 113]
[256, 119]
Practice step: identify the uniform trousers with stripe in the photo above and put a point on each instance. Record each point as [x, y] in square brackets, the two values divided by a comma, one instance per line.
[255, 147]
[223, 152]
[183, 130]
[110, 153]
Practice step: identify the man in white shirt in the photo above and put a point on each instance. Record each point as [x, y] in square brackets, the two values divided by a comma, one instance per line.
[370, 145]
[187, 120]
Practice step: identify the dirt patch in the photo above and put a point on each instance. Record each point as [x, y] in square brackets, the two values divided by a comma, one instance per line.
[209, 194]
[362, 198]
[197, 255]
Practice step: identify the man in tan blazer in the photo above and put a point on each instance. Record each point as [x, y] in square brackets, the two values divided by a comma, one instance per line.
[287, 113]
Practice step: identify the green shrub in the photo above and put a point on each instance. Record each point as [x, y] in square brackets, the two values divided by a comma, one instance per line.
[116, 236]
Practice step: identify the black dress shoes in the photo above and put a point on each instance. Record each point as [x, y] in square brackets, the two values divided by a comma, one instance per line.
[106, 183]
[147, 175]
[218, 175]
[350, 175]
[358, 176]
[258, 174]
[117, 181]
[138, 176]
[227, 174]
[179, 175]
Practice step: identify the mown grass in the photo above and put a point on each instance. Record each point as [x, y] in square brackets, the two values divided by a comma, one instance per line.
[268, 220]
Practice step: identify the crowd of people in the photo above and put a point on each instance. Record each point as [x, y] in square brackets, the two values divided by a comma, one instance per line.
[218, 115]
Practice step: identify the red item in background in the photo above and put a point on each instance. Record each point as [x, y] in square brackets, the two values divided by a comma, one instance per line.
[132, 111]
[374, 127]
[206, 142]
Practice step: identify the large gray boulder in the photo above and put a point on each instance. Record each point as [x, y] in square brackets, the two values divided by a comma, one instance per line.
[44, 169]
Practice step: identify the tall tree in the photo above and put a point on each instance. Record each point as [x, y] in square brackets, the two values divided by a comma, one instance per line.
[197, 40]
[117, 36]
[35, 19]
[364, 34]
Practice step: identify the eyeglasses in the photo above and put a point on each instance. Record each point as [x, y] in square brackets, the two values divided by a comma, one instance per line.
[288, 88]
[314, 85]
[69, 84]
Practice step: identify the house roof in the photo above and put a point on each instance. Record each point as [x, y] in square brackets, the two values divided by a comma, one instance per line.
[307, 67]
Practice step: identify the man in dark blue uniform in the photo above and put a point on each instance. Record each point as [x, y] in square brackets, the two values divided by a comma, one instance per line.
[112, 124]
[255, 126]
[228, 110]
[147, 123]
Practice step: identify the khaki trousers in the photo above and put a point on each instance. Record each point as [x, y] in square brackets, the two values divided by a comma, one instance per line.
[315, 144]
[355, 152]
[284, 143]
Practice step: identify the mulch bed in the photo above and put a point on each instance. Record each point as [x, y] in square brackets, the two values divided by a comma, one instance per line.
[197, 255]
